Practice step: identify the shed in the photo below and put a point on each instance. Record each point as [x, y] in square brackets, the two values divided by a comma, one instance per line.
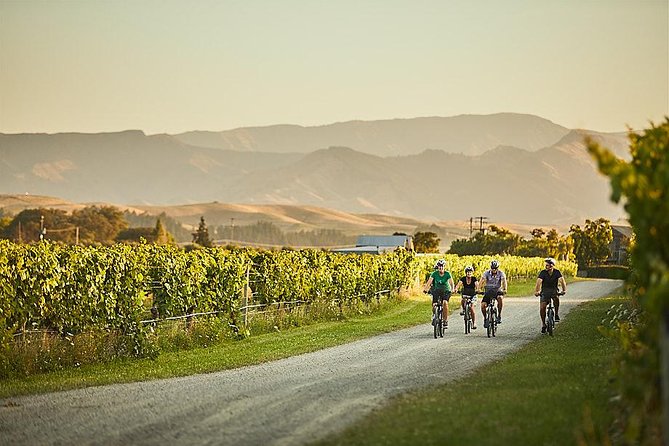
[378, 244]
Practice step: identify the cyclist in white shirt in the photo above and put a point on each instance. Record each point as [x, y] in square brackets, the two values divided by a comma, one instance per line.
[493, 284]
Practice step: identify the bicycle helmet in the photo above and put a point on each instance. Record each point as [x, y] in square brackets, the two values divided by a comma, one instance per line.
[550, 261]
[494, 264]
[440, 262]
[469, 268]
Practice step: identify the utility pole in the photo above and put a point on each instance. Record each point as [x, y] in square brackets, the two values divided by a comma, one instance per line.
[481, 220]
[232, 228]
[42, 229]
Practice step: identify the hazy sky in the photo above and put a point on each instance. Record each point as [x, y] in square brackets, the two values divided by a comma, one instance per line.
[173, 66]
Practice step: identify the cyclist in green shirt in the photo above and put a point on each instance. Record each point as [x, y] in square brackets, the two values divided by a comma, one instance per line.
[440, 284]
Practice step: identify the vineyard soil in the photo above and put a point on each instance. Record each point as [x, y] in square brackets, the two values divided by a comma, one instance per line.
[288, 402]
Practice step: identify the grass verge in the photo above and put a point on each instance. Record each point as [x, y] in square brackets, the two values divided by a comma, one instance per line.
[554, 391]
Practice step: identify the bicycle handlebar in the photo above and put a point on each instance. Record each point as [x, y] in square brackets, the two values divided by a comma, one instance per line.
[559, 293]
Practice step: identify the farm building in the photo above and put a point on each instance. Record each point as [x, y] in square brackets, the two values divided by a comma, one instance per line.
[378, 244]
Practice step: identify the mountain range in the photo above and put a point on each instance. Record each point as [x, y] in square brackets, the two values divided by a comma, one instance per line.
[507, 167]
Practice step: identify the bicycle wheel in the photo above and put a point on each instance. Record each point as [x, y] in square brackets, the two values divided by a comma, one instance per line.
[441, 323]
[435, 322]
[493, 322]
[467, 319]
[550, 321]
[488, 317]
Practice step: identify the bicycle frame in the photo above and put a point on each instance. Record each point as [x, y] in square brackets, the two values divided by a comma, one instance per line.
[491, 317]
[468, 309]
[550, 314]
[437, 320]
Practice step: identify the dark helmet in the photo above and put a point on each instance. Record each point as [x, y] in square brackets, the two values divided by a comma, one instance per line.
[469, 268]
[494, 264]
[440, 262]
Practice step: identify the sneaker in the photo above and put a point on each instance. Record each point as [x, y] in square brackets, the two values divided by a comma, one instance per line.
[445, 324]
[462, 313]
[557, 318]
[485, 323]
[473, 327]
[499, 320]
[543, 329]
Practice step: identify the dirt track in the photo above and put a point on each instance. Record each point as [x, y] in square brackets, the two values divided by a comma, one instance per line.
[288, 402]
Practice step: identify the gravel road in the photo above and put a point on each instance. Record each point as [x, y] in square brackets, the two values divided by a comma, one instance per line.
[288, 402]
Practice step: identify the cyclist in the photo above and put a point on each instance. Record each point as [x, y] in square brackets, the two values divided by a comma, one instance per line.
[469, 285]
[549, 281]
[493, 283]
[440, 284]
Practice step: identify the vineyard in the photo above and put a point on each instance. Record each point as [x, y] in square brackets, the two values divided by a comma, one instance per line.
[69, 290]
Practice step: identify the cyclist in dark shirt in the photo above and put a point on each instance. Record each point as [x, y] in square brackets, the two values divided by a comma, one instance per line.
[547, 286]
[469, 283]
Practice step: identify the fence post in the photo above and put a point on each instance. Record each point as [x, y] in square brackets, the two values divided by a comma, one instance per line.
[245, 301]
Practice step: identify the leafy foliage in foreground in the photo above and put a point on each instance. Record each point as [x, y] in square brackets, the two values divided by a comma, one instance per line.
[643, 182]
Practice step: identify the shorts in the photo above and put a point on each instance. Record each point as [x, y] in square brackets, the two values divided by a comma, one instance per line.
[489, 295]
[439, 295]
[548, 294]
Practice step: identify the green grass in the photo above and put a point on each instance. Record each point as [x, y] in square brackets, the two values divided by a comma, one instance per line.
[554, 391]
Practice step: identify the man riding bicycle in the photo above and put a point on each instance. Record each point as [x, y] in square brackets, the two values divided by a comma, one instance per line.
[469, 284]
[547, 286]
[440, 284]
[493, 283]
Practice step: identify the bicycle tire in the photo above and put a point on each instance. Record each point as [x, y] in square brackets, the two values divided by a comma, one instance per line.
[550, 325]
[493, 323]
[488, 317]
[468, 319]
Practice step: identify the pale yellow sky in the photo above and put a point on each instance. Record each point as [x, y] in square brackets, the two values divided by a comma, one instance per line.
[174, 66]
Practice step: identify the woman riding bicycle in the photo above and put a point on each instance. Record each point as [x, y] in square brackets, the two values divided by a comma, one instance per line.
[469, 284]
[548, 282]
[493, 282]
[440, 284]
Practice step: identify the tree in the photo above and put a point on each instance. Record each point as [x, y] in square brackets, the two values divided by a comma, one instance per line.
[98, 224]
[28, 224]
[161, 235]
[591, 244]
[644, 184]
[201, 236]
[426, 242]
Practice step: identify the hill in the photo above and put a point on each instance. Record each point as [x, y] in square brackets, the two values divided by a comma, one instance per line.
[555, 184]
[467, 134]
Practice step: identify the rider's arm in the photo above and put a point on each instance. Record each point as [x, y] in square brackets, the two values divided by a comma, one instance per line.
[537, 287]
[563, 283]
[450, 283]
[504, 284]
[428, 284]
[481, 283]
[457, 286]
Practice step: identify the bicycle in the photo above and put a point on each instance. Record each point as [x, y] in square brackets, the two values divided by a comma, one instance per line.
[438, 320]
[491, 316]
[550, 314]
[468, 309]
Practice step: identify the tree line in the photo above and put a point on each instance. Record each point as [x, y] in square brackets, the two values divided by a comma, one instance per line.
[90, 225]
[588, 245]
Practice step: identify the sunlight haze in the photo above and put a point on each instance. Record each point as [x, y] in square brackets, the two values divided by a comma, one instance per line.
[175, 66]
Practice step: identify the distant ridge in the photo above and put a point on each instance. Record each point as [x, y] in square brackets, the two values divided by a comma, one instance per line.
[518, 181]
[468, 134]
